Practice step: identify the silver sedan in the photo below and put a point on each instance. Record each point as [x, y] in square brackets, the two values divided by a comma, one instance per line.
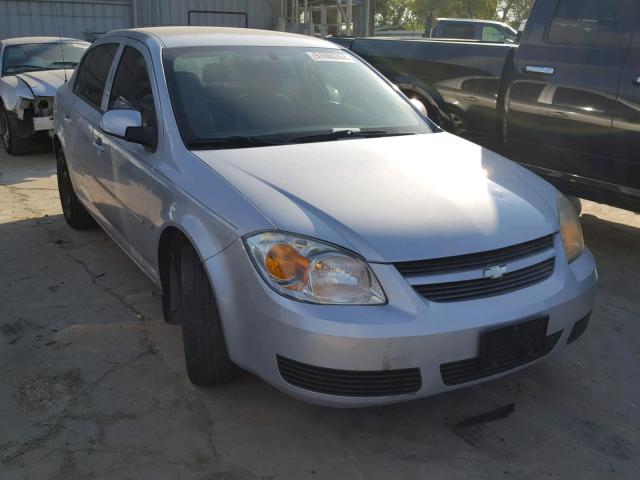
[306, 222]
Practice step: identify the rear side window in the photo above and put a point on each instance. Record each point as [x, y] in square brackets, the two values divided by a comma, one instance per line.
[492, 34]
[526, 91]
[591, 23]
[459, 30]
[589, 102]
[486, 86]
[92, 73]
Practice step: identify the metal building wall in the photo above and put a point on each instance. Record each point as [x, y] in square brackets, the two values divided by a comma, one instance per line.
[85, 19]
[88, 19]
[260, 13]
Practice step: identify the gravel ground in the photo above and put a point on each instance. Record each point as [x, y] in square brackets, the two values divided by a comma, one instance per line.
[94, 384]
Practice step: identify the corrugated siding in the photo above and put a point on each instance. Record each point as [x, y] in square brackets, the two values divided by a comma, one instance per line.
[260, 13]
[88, 19]
[80, 19]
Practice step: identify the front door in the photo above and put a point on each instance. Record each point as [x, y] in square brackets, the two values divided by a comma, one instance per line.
[561, 100]
[135, 185]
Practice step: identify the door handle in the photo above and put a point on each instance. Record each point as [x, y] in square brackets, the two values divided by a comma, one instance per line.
[472, 99]
[560, 114]
[540, 70]
[636, 81]
[67, 117]
[97, 142]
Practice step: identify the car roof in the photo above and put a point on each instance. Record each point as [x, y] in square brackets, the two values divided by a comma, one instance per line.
[202, 36]
[27, 40]
[476, 20]
[472, 20]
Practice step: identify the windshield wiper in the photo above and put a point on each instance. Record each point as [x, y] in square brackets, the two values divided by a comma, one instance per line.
[61, 64]
[25, 67]
[345, 134]
[235, 141]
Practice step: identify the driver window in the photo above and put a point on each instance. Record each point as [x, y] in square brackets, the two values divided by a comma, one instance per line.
[131, 87]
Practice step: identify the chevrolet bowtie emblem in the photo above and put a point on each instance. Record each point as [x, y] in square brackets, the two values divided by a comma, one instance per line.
[495, 272]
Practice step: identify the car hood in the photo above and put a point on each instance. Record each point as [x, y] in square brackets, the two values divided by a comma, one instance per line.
[45, 83]
[394, 198]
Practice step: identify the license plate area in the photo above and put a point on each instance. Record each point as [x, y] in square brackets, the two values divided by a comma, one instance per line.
[521, 340]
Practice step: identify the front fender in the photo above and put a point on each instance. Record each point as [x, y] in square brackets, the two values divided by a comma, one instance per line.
[436, 102]
[12, 91]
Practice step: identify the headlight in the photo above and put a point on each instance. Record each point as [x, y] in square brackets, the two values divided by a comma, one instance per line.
[313, 271]
[570, 228]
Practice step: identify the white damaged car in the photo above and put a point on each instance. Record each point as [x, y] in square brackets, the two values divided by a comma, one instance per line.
[33, 68]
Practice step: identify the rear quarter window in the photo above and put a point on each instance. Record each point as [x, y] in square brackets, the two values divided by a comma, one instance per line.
[459, 30]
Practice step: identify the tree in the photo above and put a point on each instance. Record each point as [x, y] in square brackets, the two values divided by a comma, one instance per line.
[395, 12]
[514, 11]
[403, 12]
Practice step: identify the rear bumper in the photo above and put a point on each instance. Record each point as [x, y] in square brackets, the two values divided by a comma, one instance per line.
[408, 333]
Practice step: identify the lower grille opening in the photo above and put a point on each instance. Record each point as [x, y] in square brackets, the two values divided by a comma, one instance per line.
[349, 383]
[464, 371]
[579, 328]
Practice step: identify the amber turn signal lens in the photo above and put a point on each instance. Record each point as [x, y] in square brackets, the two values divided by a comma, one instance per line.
[284, 263]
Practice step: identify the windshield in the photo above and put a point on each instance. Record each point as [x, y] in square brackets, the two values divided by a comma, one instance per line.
[230, 97]
[41, 56]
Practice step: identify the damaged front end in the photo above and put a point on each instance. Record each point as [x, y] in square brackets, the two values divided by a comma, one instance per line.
[36, 114]
[27, 107]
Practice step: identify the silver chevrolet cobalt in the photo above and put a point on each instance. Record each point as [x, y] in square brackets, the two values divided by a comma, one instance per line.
[307, 223]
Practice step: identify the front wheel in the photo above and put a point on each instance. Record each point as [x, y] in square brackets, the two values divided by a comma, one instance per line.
[194, 306]
[13, 144]
[74, 212]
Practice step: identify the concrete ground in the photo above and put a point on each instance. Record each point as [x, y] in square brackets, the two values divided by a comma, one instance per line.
[93, 383]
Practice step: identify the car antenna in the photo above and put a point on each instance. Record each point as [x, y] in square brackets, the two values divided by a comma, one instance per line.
[55, 9]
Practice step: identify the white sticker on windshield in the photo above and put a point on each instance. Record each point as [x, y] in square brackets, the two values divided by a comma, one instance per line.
[337, 56]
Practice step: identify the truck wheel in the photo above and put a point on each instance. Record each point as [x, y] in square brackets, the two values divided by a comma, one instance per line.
[74, 212]
[13, 144]
[205, 349]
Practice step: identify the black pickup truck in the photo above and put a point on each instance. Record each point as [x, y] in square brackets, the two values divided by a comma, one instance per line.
[565, 102]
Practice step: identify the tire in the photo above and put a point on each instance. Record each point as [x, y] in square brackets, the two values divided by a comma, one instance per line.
[74, 212]
[194, 306]
[13, 144]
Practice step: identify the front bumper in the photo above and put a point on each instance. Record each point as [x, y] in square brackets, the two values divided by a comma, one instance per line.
[42, 123]
[409, 332]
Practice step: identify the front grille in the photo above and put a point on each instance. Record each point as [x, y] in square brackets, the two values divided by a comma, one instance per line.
[464, 371]
[487, 287]
[474, 260]
[350, 383]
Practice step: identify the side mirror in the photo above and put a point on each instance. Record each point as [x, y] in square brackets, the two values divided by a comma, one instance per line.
[420, 106]
[127, 124]
[116, 122]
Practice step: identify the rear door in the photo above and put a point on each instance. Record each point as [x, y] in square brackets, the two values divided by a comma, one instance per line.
[83, 115]
[561, 100]
[626, 124]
